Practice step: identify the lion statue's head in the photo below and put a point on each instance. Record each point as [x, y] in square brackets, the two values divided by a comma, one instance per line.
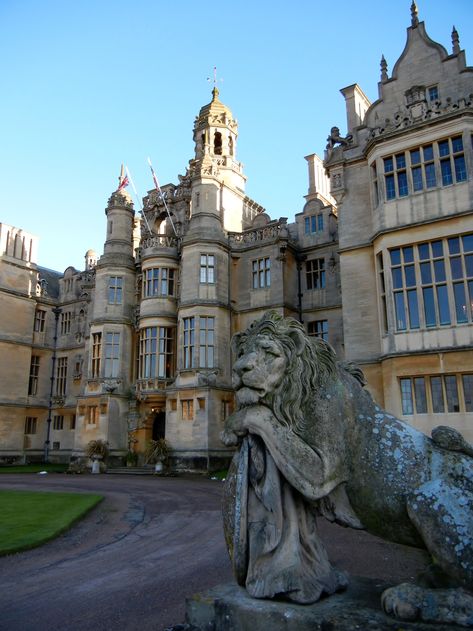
[279, 365]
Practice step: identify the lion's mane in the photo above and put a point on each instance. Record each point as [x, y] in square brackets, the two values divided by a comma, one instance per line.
[310, 361]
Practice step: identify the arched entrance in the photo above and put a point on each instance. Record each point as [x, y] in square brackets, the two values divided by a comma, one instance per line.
[159, 426]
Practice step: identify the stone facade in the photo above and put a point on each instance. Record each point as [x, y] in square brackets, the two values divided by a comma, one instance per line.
[403, 183]
[137, 345]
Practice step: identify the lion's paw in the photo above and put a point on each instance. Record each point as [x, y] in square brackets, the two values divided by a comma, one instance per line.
[229, 438]
[411, 602]
[402, 601]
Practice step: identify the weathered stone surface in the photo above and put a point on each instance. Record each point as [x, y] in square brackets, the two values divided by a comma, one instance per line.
[230, 608]
[312, 440]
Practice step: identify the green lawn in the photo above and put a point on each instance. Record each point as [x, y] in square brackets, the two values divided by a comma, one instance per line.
[30, 518]
[34, 468]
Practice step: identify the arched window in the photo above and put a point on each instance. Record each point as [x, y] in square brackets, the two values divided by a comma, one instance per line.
[218, 143]
[230, 145]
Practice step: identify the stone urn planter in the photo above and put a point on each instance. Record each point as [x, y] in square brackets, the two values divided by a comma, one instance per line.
[157, 453]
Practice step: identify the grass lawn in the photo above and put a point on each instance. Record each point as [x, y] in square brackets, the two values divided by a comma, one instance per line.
[30, 518]
[34, 468]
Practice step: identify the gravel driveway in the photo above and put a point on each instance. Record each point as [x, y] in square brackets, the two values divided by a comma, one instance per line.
[152, 542]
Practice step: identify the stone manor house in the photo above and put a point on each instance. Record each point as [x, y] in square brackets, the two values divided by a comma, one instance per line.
[379, 262]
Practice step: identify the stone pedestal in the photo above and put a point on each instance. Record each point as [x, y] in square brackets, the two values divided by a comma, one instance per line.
[229, 608]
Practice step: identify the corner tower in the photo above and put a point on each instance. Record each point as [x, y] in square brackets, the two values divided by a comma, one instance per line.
[103, 409]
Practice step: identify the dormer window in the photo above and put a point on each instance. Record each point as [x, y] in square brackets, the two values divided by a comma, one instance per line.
[218, 143]
[314, 223]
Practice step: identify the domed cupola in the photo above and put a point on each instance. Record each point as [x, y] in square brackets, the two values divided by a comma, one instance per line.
[215, 130]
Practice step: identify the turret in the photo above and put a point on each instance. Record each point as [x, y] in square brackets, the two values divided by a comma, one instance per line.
[120, 223]
[217, 177]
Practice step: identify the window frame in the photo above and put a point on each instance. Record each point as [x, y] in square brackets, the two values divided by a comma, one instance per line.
[436, 394]
[31, 425]
[96, 354]
[61, 376]
[115, 290]
[156, 353]
[111, 364]
[159, 282]
[417, 169]
[187, 409]
[207, 269]
[261, 273]
[206, 341]
[58, 422]
[318, 328]
[188, 343]
[39, 321]
[65, 325]
[432, 287]
[34, 375]
[315, 274]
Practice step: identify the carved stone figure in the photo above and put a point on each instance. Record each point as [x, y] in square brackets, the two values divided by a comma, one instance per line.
[334, 138]
[312, 441]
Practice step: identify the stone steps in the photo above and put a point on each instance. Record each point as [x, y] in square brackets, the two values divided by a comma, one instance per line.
[132, 470]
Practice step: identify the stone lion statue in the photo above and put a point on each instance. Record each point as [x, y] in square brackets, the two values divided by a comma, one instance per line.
[313, 442]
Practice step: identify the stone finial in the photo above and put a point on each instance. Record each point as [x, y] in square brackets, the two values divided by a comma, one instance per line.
[215, 93]
[384, 69]
[414, 15]
[455, 41]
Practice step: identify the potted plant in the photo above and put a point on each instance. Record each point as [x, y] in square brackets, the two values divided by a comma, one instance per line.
[156, 453]
[131, 458]
[97, 451]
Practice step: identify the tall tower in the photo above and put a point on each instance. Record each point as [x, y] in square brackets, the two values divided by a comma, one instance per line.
[104, 404]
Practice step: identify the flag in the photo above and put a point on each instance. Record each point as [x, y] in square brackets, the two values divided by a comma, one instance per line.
[155, 179]
[124, 181]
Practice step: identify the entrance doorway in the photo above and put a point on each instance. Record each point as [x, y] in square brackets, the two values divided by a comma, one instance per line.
[159, 426]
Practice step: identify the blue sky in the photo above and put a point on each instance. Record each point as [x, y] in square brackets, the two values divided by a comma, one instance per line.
[89, 84]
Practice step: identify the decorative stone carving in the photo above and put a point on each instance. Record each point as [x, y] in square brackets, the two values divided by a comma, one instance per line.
[312, 440]
[335, 139]
[266, 233]
[419, 112]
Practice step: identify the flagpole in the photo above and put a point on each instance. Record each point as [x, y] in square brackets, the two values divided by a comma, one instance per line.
[158, 188]
[138, 199]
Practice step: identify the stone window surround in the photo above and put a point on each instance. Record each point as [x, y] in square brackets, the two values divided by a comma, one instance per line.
[198, 342]
[115, 290]
[96, 354]
[58, 421]
[318, 328]
[31, 425]
[34, 373]
[261, 273]
[415, 170]
[314, 223]
[156, 352]
[159, 281]
[61, 376]
[207, 269]
[187, 409]
[315, 273]
[436, 394]
[431, 283]
[39, 320]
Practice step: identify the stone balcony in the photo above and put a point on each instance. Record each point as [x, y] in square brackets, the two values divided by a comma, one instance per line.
[271, 232]
[151, 386]
[158, 245]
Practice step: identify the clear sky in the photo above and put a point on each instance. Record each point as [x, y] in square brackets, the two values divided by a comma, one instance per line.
[89, 84]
